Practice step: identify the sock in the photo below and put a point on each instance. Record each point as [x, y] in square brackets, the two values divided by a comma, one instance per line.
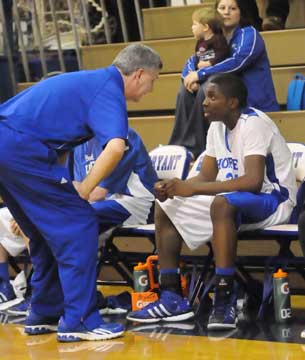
[169, 279]
[4, 275]
[229, 271]
[224, 285]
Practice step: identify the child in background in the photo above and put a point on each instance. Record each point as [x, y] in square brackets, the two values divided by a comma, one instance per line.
[211, 48]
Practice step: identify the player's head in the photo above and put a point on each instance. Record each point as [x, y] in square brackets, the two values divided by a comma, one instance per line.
[205, 19]
[140, 66]
[224, 94]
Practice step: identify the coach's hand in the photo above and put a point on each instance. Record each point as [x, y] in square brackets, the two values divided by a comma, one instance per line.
[83, 193]
[177, 187]
[98, 194]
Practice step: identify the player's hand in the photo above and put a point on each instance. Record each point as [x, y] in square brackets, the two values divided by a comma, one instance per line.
[177, 187]
[190, 79]
[83, 193]
[160, 191]
[15, 228]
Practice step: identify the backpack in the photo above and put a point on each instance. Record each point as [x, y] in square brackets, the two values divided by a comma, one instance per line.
[296, 93]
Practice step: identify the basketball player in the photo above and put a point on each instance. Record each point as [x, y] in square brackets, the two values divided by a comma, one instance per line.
[127, 195]
[246, 182]
[37, 126]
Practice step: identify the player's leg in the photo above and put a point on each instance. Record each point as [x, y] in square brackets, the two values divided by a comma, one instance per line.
[301, 227]
[223, 215]
[171, 306]
[228, 212]
[10, 245]
[110, 213]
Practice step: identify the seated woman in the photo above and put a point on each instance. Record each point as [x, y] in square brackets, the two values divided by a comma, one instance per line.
[248, 59]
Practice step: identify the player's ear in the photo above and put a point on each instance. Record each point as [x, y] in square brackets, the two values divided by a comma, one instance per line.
[233, 103]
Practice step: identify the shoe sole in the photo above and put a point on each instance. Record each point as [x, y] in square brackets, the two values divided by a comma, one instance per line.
[181, 317]
[40, 329]
[109, 311]
[221, 326]
[16, 312]
[90, 336]
[7, 304]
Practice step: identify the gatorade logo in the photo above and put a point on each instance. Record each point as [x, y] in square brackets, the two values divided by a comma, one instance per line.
[285, 288]
[140, 304]
[143, 280]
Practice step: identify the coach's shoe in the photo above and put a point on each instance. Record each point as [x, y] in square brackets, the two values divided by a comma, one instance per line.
[170, 307]
[223, 315]
[7, 296]
[104, 332]
[20, 309]
[37, 324]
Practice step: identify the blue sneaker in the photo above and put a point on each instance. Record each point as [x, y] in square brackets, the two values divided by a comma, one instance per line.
[223, 315]
[20, 309]
[37, 324]
[104, 332]
[170, 307]
[116, 304]
[7, 296]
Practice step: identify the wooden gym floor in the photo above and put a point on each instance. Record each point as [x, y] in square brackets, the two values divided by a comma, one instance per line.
[189, 340]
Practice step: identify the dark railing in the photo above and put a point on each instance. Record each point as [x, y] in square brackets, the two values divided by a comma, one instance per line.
[40, 36]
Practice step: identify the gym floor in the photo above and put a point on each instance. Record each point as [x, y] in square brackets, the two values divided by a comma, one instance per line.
[252, 339]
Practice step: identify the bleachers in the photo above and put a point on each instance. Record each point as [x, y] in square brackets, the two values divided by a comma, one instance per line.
[154, 129]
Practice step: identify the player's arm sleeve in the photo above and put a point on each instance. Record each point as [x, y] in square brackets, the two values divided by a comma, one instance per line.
[257, 137]
[210, 147]
[250, 47]
[108, 114]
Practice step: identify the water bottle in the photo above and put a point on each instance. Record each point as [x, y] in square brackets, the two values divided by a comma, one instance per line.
[281, 295]
[140, 278]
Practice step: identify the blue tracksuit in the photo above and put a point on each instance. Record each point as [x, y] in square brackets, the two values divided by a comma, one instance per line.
[36, 126]
[248, 59]
[130, 185]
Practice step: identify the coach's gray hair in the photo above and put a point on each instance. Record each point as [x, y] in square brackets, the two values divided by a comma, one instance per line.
[137, 56]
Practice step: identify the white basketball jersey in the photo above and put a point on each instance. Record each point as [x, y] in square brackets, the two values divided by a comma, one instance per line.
[254, 134]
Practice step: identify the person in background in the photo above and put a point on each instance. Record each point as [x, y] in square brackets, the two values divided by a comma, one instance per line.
[248, 59]
[277, 12]
[211, 48]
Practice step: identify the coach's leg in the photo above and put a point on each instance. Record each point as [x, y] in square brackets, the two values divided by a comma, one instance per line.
[47, 296]
[223, 315]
